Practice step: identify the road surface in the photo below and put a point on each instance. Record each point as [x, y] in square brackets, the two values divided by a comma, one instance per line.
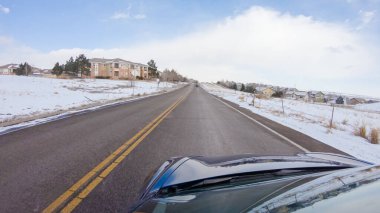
[40, 165]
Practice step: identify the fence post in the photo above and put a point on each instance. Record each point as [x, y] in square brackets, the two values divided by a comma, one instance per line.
[282, 104]
[332, 116]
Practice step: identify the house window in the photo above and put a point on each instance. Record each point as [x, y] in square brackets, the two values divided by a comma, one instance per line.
[116, 73]
[132, 66]
[116, 65]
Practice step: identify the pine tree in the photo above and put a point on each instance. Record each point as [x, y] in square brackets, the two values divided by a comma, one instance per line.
[82, 65]
[70, 66]
[242, 87]
[234, 86]
[339, 100]
[23, 69]
[57, 69]
[152, 69]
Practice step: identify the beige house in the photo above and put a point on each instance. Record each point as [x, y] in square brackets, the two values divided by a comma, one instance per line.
[117, 68]
[265, 91]
[316, 96]
[354, 101]
[8, 69]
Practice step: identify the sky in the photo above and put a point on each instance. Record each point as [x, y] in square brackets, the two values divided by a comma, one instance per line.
[328, 45]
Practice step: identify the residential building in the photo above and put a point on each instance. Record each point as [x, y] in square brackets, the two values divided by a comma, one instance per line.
[316, 96]
[117, 68]
[354, 101]
[301, 95]
[290, 93]
[8, 69]
[266, 91]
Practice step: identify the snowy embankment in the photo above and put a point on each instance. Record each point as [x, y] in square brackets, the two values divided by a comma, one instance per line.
[29, 97]
[313, 120]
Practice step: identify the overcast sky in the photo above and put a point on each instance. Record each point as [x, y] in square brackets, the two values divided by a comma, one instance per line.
[321, 45]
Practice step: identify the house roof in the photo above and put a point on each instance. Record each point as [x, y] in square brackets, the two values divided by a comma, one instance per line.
[118, 60]
[313, 92]
[358, 99]
[300, 93]
[260, 89]
[9, 66]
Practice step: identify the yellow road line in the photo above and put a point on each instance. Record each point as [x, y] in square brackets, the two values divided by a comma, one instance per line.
[72, 204]
[66, 195]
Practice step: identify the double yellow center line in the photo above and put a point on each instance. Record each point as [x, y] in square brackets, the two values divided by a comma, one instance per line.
[70, 199]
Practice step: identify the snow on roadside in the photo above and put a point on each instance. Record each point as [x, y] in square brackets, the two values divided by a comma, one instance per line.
[313, 120]
[22, 96]
[374, 107]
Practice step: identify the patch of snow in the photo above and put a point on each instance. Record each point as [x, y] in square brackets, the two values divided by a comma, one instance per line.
[374, 107]
[313, 120]
[22, 96]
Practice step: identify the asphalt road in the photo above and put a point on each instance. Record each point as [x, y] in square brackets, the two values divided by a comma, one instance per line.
[40, 163]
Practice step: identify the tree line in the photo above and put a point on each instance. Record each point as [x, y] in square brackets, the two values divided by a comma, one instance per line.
[171, 75]
[78, 67]
[238, 86]
[23, 69]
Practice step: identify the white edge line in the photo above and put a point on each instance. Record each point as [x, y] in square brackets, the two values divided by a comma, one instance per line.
[264, 126]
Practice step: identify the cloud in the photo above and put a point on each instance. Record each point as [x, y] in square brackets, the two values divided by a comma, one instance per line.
[139, 16]
[127, 15]
[120, 15]
[257, 45]
[366, 16]
[5, 40]
[4, 10]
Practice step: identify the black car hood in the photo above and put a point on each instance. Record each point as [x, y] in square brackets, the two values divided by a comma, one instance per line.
[285, 195]
[188, 169]
[237, 198]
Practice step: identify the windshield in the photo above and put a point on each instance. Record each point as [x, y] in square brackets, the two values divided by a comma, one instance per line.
[113, 106]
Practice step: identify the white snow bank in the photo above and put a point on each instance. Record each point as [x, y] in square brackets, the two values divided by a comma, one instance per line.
[374, 107]
[313, 120]
[24, 96]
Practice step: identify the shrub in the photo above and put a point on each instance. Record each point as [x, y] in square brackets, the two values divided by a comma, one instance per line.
[102, 77]
[374, 136]
[339, 100]
[277, 94]
[344, 122]
[361, 131]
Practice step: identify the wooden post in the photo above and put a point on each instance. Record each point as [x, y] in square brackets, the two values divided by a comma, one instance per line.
[332, 116]
[282, 104]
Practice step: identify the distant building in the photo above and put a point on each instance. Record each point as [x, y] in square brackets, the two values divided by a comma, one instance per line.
[354, 101]
[8, 69]
[117, 68]
[316, 96]
[266, 91]
[301, 95]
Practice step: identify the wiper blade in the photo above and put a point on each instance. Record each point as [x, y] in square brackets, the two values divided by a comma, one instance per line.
[247, 178]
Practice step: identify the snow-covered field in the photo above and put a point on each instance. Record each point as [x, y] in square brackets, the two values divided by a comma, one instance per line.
[22, 96]
[313, 120]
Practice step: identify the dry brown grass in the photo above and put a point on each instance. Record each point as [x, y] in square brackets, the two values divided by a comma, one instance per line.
[241, 98]
[361, 131]
[261, 96]
[327, 125]
[374, 136]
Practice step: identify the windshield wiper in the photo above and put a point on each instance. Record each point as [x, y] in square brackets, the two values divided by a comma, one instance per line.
[245, 178]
